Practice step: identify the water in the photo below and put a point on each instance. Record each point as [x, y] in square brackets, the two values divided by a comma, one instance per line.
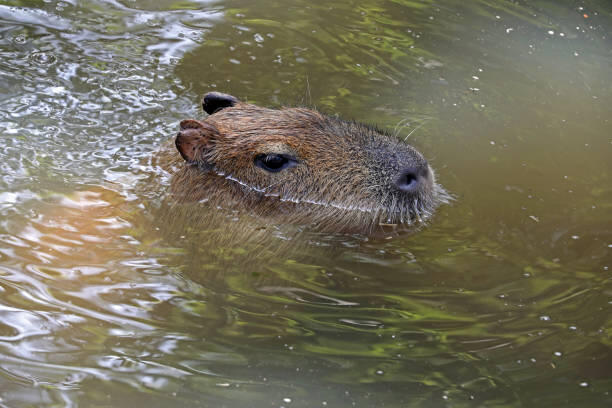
[504, 299]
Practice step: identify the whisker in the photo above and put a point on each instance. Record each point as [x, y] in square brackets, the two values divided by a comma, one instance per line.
[415, 129]
[399, 126]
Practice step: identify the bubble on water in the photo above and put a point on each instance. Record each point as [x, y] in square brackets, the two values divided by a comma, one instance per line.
[154, 22]
[43, 58]
[545, 318]
[20, 39]
[584, 384]
[195, 36]
[258, 38]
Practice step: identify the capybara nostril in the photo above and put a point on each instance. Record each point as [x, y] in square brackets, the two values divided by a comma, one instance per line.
[411, 178]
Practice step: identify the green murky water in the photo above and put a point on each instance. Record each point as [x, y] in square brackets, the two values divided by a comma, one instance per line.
[504, 300]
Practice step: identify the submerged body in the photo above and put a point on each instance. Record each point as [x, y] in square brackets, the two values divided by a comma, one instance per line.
[299, 166]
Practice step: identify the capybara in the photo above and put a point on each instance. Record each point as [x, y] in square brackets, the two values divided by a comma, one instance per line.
[299, 166]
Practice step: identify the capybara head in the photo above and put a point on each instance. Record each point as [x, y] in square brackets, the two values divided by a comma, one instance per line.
[304, 166]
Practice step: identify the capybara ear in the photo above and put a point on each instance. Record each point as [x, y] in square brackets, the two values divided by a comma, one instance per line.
[194, 139]
[215, 101]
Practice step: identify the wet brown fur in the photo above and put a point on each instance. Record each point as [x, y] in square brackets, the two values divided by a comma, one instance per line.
[343, 180]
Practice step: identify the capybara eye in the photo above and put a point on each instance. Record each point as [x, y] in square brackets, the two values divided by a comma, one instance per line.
[274, 162]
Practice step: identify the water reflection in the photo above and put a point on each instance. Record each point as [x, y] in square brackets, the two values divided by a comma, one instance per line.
[503, 300]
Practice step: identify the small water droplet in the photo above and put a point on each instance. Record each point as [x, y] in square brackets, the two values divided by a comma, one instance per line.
[20, 39]
[154, 22]
[43, 58]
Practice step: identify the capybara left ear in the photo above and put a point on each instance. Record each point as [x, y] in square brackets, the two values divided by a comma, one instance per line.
[194, 139]
[215, 101]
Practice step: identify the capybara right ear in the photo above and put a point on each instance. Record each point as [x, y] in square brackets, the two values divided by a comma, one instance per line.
[194, 139]
[215, 101]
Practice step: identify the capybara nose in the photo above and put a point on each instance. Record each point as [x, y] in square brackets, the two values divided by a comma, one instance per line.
[411, 178]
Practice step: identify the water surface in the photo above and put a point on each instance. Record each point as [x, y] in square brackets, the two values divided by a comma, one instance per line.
[504, 299]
